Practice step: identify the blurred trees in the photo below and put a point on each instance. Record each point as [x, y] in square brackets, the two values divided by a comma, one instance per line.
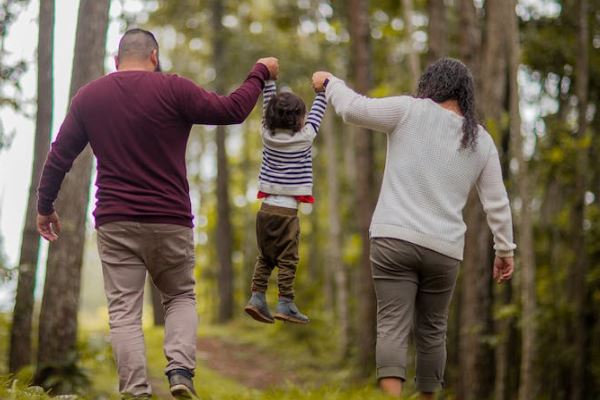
[21, 329]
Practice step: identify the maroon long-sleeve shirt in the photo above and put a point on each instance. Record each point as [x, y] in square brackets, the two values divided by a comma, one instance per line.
[138, 124]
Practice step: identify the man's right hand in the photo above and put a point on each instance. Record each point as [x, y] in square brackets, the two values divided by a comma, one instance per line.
[48, 226]
[272, 65]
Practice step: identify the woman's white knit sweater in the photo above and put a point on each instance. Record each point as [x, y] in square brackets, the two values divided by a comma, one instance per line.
[427, 176]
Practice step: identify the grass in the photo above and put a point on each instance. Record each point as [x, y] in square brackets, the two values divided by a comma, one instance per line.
[308, 351]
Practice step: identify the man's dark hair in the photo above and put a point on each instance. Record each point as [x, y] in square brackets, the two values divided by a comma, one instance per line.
[285, 111]
[137, 44]
[450, 79]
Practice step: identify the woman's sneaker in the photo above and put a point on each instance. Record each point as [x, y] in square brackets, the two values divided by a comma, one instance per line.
[257, 308]
[287, 311]
[181, 384]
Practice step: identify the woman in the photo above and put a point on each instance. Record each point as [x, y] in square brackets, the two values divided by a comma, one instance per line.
[436, 153]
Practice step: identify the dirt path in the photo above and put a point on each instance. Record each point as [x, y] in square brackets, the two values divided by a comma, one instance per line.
[245, 364]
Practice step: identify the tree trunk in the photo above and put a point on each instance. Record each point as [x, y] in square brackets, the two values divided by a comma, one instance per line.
[414, 62]
[224, 231]
[579, 267]
[58, 317]
[524, 224]
[21, 329]
[360, 62]
[437, 30]
[469, 39]
[334, 250]
[476, 294]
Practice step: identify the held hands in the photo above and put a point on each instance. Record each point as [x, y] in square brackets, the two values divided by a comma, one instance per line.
[272, 65]
[48, 226]
[503, 268]
[318, 80]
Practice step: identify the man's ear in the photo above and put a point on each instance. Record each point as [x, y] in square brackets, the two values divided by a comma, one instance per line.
[154, 57]
[116, 58]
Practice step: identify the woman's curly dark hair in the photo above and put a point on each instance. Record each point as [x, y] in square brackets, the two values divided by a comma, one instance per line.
[285, 111]
[450, 79]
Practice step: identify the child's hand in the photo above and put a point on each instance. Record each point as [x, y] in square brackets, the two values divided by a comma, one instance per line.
[272, 65]
[318, 80]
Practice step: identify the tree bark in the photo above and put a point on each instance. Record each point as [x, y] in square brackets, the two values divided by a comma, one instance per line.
[361, 72]
[58, 317]
[476, 294]
[414, 61]
[224, 230]
[579, 267]
[21, 329]
[524, 223]
[437, 30]
[334, 250]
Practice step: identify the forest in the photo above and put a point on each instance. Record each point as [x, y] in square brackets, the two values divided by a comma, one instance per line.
[536, 65]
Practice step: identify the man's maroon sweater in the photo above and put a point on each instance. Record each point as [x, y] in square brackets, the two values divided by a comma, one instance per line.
[138, 124]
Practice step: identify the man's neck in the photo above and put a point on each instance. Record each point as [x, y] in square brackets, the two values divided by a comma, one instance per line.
[136, 67]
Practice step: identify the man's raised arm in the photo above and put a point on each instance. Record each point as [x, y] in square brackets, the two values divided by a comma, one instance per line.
[204, 107]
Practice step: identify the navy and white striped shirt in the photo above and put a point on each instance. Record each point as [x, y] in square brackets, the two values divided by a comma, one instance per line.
[286, 167]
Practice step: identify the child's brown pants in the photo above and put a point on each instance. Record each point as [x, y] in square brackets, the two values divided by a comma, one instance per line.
[277, 235]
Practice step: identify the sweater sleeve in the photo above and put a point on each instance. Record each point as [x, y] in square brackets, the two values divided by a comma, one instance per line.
[268, 92]
[69, 143]
[382, 114]
[200, 106]
[317, 111]
[494, 199]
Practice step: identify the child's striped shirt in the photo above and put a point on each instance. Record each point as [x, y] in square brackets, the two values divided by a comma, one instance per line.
[286, 167]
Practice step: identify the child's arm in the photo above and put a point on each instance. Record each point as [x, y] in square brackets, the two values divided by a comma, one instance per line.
[317, 110]
[268, 92]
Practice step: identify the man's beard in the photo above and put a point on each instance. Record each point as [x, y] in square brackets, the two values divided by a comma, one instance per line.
[157, 68]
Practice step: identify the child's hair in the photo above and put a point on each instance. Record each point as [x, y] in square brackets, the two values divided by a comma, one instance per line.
[285, 111]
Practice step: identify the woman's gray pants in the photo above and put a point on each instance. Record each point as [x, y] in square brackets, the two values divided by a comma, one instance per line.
[413, 285]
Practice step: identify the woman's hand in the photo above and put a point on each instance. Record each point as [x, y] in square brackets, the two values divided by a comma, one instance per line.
[318, 80]
[503, 268]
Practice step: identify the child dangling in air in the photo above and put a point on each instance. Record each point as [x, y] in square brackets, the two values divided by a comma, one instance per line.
[285, 180]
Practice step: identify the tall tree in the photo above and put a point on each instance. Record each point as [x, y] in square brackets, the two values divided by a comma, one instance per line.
[360, 61]
[476, 295]
[524, 223]
[21, 329]
[414, 61]
[58, 317]
[334, 250]
[579, 268]
[437, 30]
[224, 231]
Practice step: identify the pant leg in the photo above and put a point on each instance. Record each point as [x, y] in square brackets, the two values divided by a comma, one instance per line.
[287, 260]
[438, 279]
[124, 277]
[395, 278]
[265, 261]
[170, 260]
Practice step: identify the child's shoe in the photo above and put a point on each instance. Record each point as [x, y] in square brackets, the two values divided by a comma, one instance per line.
[257, 308]
[287, 311]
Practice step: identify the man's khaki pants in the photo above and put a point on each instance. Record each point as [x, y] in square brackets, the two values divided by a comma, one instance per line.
[127, 250]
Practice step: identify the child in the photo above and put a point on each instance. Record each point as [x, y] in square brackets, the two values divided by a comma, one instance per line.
[285, 180]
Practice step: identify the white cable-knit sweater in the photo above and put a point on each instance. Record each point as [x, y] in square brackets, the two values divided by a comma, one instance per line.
[427, 176]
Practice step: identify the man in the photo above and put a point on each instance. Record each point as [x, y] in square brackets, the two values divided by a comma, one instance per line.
[137, 122]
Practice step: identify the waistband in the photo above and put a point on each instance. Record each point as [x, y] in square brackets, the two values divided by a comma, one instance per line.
[278, 210]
